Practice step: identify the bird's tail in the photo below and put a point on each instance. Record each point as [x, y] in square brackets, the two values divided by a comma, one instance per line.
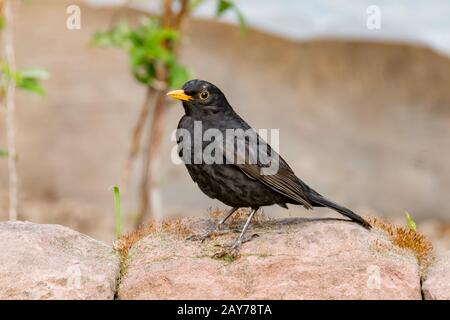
[321, 201]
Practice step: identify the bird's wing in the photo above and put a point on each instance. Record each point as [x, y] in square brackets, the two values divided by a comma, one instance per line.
[270, 169]
[284, 182]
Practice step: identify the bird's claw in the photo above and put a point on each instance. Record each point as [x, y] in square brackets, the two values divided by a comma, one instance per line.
[236, 245]
[229, 253]
[232, 251]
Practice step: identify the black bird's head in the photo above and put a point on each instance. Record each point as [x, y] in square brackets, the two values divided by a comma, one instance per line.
[201, 98]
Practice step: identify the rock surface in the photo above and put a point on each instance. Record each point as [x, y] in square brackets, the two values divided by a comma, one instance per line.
[437, 281]
[39, 261]
[292, 259]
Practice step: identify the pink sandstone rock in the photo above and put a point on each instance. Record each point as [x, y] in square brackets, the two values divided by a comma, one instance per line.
[39, 261]
[291, 259]
[437, 281]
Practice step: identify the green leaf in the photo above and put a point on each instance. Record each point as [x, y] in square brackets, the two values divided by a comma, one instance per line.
[3, 153]
[28, 79]
[30, 85]
[223, 6]
[241, 19]
[118, 37]
[227, 5]
[410, 222]
[147, 45]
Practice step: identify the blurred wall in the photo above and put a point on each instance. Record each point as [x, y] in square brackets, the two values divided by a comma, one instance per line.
[367, 124]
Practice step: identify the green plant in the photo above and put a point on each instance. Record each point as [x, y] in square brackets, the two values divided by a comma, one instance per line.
[410, 222]
[3, 153]
[407, 238]
[27, 79]
[10, 79]
[224, 6]
[116, 193]
[147, 45]
[152, 47]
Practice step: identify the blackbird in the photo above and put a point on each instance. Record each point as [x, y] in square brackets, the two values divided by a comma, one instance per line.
[240, 182]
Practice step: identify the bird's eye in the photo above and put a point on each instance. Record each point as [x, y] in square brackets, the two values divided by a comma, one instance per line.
[204, 95]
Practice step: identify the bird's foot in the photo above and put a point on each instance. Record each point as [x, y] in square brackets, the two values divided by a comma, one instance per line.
[235, 246]
[229, 253]
[232, 251]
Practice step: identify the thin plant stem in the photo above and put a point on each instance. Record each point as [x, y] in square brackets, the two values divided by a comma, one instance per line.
[136, 137]
[116, 192]
[10, 112]
[150, 152]
[149, 195]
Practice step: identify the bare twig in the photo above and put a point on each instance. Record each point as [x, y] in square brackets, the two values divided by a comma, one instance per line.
[10, 110]
[179, 18]
[149, 196]
[155, 142]
[149, 205]
[136, 137]
[150, 199]
[167, 14]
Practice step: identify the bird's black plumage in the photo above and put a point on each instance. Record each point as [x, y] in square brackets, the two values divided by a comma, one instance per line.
[240, 184]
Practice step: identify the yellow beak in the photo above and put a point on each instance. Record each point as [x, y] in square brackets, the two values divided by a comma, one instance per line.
[179, 95]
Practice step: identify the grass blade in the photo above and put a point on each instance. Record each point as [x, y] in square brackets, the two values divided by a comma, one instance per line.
[116, 192]
[410, 221]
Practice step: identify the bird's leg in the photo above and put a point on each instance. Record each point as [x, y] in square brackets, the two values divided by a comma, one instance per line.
[217, 227]
[238, 241]
[229, 214]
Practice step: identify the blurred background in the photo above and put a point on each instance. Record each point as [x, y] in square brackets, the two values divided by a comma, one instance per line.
[362, 104]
